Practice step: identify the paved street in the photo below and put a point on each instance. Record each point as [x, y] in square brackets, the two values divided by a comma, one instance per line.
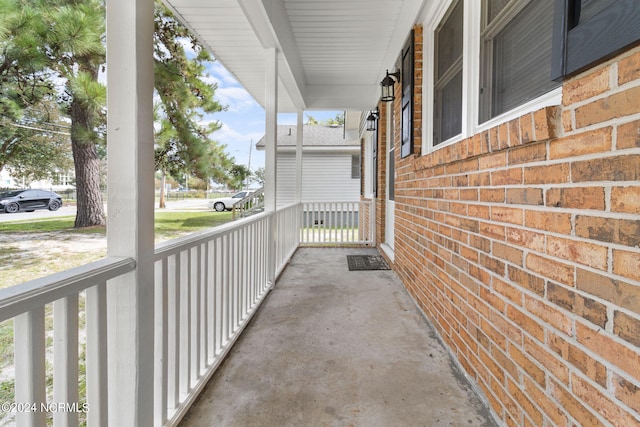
[42, 213]
[172, 205]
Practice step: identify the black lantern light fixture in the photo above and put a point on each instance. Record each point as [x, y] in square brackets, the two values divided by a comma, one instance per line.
[372, 119]
[387, 85]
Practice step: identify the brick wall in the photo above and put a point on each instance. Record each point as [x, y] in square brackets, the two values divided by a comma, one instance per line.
[522, 245]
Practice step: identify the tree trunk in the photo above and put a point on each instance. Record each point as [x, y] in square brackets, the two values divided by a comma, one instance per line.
[90, 209]
[87, 165]
[163, 185]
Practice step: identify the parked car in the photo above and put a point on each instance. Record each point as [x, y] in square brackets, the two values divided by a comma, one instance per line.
[29, 200]
[226, 203]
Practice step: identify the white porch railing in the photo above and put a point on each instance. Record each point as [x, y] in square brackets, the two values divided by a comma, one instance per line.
[207, 287]
[30, 306]
[250, 205]
[338, 223]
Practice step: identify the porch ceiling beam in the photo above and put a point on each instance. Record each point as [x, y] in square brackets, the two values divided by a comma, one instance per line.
[326, 48]
[271, 24]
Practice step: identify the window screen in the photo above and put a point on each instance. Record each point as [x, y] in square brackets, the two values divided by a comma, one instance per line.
[516, 54]
[447, 112]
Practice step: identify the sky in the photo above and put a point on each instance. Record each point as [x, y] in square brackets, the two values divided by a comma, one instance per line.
[243, 122]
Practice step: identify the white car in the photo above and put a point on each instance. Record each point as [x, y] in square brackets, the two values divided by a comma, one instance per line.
[226, 203]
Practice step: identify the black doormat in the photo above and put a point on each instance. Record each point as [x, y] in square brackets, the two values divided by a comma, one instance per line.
[366, 262]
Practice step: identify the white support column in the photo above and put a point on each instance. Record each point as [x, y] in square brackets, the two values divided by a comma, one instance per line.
[130, 232]
[270, 157]
[271, 133]
[299, 142]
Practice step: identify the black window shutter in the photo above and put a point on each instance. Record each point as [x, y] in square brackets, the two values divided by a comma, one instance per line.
[588, 31]
[406, 127]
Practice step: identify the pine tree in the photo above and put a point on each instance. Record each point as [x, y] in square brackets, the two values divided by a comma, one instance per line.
[24, 83]
[77, 55]
[63, 41]
[183, 141]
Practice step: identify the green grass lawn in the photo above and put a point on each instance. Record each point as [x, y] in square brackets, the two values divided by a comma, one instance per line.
[35, 248]
[168, 224]
[20, 263]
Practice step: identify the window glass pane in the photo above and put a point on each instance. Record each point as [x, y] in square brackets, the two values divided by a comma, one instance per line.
[447, 112]
[450, 102]
[449, 36]
[521, 59]
[355, 166]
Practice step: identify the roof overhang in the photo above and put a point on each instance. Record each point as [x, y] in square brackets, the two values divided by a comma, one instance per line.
[332, 53]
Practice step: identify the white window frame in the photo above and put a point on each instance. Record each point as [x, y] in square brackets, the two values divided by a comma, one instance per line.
[457, 66]
[470, 78]
[368, 175]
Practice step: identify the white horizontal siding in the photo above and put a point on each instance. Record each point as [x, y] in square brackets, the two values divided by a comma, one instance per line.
[326, 177]
[286, 179]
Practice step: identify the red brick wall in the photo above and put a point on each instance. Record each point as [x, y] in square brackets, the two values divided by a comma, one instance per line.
[522, 245]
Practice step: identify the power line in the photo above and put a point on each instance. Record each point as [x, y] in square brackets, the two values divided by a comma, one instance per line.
[41, 130]
[48, 123]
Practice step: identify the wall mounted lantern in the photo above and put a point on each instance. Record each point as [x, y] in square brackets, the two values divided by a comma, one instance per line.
[372, 119]
[387, 86]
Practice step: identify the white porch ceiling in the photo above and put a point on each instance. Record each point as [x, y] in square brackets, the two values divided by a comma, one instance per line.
[333, 53]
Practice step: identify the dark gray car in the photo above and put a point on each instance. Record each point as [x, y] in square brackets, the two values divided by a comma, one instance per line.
[29, 200]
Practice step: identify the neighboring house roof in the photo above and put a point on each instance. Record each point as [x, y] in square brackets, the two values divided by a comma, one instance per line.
[317, 136]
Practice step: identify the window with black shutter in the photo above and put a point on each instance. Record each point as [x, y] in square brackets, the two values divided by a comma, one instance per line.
[374, 168]
[407, 98]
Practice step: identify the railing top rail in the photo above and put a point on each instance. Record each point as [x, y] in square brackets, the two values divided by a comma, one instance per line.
[251, 196]
[252, 200]
[309, 202]
[27, 296]
[194, 239]
[176, 245]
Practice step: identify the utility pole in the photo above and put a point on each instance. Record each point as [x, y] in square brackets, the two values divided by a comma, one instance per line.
[249, 164]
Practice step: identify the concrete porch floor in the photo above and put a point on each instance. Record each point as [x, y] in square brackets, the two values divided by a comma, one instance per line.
[333, 347]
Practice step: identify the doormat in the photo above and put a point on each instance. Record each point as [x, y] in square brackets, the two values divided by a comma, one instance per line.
[366, 262]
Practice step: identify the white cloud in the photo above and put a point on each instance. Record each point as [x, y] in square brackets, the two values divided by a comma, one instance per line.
[236, 99]
[187, 46]
[234, 138]
[221, 75]
[239, 141]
